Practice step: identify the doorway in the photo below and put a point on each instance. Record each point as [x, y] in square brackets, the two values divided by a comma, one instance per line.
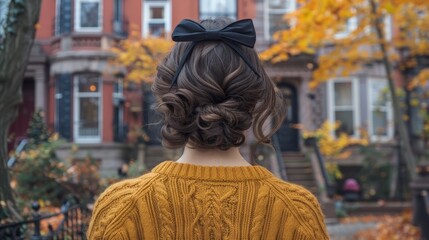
[288, 134]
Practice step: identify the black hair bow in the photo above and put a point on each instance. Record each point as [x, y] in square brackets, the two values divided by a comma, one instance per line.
[241, 32]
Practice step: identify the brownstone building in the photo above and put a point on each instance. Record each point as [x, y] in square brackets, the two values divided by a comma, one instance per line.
[85, 100]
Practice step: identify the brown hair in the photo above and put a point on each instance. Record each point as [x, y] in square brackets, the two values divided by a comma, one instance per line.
[217, 96]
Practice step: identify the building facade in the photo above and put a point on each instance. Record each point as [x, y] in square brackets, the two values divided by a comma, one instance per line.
[84, 99]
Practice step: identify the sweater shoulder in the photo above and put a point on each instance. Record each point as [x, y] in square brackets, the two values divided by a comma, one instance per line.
[114, 205]
[303, 204]
[295, 193]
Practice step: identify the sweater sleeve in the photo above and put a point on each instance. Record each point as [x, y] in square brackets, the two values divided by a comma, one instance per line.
[306, 209]
[310, 213]
[315, 219]
[105, 220]
[111, 212]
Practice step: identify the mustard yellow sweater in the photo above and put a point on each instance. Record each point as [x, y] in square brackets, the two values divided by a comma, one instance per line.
[183, 201]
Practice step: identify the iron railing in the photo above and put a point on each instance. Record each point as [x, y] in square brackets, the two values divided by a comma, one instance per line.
[327, 182]
[73, 226]
[279, 157]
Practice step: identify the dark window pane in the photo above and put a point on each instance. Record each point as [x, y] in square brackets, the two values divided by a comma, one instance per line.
[89, 14]
[379, 123]
[157, 12]
[218, 8]
[346, 122]
[277, 23]
[88, 84]
[279, 4]
[89, 119]
[156, 29]
[343, 94]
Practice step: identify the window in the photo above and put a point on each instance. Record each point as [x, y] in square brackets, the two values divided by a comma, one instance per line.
[87, 108]
[3, 14]
[380, 119]
[118, 19]
[88, 15]
[274, 13]
[63, 17]
[343, 105]
[156, 18]
[349, 27]
[118, 111]
[387, 27]
[218, 8]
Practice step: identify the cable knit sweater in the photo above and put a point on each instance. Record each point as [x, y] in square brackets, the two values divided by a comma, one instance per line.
[183, 201]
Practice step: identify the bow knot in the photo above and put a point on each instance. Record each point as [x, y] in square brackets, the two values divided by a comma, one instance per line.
[241, 32]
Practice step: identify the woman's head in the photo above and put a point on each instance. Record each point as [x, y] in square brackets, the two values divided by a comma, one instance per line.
[217, 95]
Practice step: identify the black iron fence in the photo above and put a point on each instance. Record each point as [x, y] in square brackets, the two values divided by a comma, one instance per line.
[73, 223]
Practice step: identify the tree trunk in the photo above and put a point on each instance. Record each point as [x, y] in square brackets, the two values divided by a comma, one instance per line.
[404, 140]
[15, 48]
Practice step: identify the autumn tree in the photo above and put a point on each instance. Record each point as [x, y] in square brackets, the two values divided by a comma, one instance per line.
[18, 19]
[318, 26]
[139, 57]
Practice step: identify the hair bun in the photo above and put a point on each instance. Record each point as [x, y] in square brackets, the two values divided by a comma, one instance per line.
[219, 125]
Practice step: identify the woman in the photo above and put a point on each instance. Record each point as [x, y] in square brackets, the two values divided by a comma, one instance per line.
[210, 89]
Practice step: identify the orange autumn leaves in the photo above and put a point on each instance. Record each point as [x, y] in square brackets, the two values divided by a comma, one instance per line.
[139, 57]
[342, 33]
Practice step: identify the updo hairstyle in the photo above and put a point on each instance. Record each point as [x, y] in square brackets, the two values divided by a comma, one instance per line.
[217, 96]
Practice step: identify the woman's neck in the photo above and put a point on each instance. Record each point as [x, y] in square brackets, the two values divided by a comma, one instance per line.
[212, 157]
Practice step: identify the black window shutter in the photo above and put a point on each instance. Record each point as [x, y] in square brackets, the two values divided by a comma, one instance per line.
[65, 17]
[63, 107]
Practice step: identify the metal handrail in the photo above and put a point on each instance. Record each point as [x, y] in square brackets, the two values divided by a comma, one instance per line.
[330, 187]
[279, 157]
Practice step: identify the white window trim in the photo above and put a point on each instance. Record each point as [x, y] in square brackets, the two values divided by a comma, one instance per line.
[146, 14]
[388, 109]
[3, 16]
[267, 12]
[76, 96]
[352, 24]
[57, 17]
[234, 17]
[77, 26]
[355, 106]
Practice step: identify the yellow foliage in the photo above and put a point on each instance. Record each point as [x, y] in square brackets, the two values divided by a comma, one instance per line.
[321, 23]
[140, 56]
[421, 79]
[330, 145]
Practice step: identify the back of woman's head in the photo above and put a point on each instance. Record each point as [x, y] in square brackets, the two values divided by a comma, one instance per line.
[217, 95]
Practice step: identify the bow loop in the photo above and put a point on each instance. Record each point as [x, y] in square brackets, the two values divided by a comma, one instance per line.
[241, 32]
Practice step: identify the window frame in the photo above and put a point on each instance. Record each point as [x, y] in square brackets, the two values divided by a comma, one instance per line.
[4, 8]
[77, 15]
[235, 15]
[388, 109]
[355, 107]
[351, 25]
[146, 20]
[77, 95]
[268, 11]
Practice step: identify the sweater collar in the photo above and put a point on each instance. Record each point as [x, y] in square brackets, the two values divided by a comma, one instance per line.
[220, 173]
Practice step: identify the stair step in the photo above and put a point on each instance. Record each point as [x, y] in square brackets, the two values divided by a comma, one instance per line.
[298, 171]
[301, 178]
[298, 165]
[299, 154]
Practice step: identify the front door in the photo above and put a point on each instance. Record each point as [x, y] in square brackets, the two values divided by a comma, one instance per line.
[288, 135]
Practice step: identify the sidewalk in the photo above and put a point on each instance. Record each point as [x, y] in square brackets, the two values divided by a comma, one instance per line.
[345, 231]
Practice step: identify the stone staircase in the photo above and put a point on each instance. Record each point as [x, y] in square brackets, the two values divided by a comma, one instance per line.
[300, 171]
